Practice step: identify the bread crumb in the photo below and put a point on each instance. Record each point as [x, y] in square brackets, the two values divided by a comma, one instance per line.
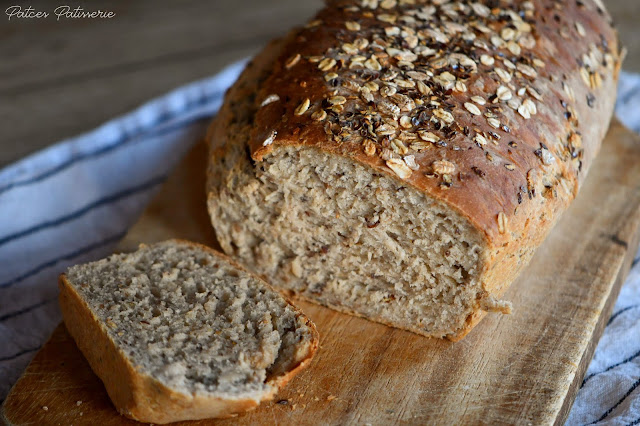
[316, 399]
[45, 408]
[331, 397]
[78, 403]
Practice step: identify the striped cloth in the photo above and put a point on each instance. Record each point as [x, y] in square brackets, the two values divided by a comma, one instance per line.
[73, 202]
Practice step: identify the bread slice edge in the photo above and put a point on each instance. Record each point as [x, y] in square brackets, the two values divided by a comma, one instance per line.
[141, 397]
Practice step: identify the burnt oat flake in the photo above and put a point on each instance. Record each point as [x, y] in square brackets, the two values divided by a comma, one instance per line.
[407, 77]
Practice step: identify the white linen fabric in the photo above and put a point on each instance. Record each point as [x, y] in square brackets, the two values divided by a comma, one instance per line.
[74, 201]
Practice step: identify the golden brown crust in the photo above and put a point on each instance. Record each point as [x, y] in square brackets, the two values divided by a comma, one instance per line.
[510, 171]
[480, 189]
[136, 394]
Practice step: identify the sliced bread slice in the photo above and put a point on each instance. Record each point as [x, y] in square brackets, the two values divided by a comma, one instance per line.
[178, 331]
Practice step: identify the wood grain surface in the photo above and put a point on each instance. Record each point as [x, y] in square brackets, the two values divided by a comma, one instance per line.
[523, 368]
[58, 79]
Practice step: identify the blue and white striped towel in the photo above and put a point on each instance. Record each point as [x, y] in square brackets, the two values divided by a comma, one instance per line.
[73, 202]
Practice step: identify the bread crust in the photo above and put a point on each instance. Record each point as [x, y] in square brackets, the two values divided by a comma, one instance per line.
[511, 193]
[136, 394]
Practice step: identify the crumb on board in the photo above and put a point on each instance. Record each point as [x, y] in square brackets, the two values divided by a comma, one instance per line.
[78, 403]
[45, 408]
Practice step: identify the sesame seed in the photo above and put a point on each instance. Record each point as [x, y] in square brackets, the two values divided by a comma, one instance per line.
[580, 29]
[303, 107]
[472, 108]
[510, 167]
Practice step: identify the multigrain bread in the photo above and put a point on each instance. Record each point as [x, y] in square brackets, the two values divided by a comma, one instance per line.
[402, 160]
[177, 331]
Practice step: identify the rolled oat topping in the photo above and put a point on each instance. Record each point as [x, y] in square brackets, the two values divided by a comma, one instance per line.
[407, 77]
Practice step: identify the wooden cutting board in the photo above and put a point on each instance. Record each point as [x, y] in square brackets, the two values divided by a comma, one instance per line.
[523, 368]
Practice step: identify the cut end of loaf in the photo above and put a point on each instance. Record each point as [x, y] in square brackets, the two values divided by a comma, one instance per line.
[351, 238]
[192, 326]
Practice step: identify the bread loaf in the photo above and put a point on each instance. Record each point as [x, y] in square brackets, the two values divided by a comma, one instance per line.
[177, 331]
[401, 160]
